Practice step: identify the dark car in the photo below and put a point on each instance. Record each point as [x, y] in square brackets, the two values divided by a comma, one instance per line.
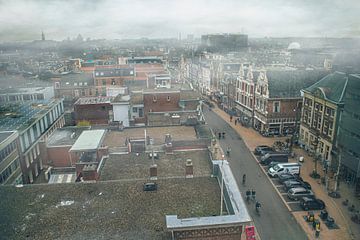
[288, 176]
[296, 183]
[150, 187]
[307, 203]
[262, 150]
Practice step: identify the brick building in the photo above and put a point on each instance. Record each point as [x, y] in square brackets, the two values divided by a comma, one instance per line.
[95, 110]
[278, 101]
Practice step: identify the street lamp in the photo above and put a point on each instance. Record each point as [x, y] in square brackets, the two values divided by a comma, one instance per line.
[295, 133]
[315, 144]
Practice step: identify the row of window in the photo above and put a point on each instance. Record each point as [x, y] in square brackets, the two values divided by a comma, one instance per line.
[4, 175]
[33, 133]
[7, 150]
[21, 97]
[32, 155]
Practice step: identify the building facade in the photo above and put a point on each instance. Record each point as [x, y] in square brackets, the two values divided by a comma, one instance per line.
[10, 171]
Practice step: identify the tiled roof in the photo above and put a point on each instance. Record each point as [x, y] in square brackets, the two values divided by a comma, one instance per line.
[287, 84]
[332, 85]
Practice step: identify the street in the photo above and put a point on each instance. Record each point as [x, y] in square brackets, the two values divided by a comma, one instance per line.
[275, 220]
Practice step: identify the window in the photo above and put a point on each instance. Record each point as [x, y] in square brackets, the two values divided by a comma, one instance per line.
[168, 98]
[112, 81]
[276, 107]
[154, 98]
[135, 110]
[103, 82]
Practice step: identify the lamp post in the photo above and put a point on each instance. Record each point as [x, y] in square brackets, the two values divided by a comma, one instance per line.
[294, 135]
[315, 144]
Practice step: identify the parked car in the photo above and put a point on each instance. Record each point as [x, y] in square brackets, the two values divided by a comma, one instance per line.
[272, 164]
[274, 157]
[287, 176]
[307, 203]
[262, 149]
[150, 187]
[296, 183]
[299, 192]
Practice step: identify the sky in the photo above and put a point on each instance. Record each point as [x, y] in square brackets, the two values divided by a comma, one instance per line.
[23, 20]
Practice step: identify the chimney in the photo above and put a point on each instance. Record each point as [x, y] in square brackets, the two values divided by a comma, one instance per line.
[153, 172]
[168, 140]
[89, 172]
[189, 171]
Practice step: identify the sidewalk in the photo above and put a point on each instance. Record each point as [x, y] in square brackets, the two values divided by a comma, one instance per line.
[347, 228]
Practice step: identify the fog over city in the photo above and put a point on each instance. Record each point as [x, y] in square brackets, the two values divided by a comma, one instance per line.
[23, 20]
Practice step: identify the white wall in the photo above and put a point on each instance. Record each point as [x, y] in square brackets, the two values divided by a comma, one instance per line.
[121, 113]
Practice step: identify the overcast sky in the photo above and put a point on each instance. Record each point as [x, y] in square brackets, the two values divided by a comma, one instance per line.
[59, 19]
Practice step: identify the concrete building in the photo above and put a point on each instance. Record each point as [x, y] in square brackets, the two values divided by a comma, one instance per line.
[10, 171]
[26, 94]
[225, 42]
[347, 151]
[34, 121]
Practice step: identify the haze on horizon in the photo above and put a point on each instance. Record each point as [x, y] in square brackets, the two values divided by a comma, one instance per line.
[23, 20]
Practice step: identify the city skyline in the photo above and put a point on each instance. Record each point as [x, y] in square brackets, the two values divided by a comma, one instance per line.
[24, 20]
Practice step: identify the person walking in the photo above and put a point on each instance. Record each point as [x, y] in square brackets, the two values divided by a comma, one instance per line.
[253, 194]
[244, 179]
[248, 195]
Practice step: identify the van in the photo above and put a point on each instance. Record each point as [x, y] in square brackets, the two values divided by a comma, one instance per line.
[291, 168]
[274, 157]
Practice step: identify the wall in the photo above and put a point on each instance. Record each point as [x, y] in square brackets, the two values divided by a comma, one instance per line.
[94, 113]
[161, 103]
[121, 113]
[59, 156]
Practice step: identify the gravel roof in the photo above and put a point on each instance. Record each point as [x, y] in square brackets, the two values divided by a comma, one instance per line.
[131, 166]
[103, 210]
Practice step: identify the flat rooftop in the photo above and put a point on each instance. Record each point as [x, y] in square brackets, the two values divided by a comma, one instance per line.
[89, 140]
[116, 138]
[15, 116]
[65, 136]
[4, 135]
[132, 166]
[103, 210]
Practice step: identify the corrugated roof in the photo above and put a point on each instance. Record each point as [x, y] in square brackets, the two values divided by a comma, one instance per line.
[88, 140]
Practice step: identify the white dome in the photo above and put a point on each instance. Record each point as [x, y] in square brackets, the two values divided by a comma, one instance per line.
[294, 45]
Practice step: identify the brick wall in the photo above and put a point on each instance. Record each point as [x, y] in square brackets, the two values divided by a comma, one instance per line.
[219, 233]
[159, 102]
[59, 156]
[94, 113]
[287, 107]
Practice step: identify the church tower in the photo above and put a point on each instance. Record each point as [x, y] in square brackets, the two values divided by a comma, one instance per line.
[42, 36]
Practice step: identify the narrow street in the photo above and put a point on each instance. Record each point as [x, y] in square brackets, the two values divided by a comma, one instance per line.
[275, 220]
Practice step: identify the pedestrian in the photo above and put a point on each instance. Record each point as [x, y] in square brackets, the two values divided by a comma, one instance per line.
[219, 135]
[235, 121]
[248, 194]
[253, 194]
[244, 179]
[223, 134]
[231, 117]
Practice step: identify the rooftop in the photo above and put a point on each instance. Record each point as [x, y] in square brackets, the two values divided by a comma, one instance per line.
[77, 79]
[331, 86]
[133, 166]
[15, 116]
[65, 136]
[114, 72]
[5, 134]
[284, 84]
[93, 100]
[103, 210]
[116, 138]
[89, 140]
[10, 91]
